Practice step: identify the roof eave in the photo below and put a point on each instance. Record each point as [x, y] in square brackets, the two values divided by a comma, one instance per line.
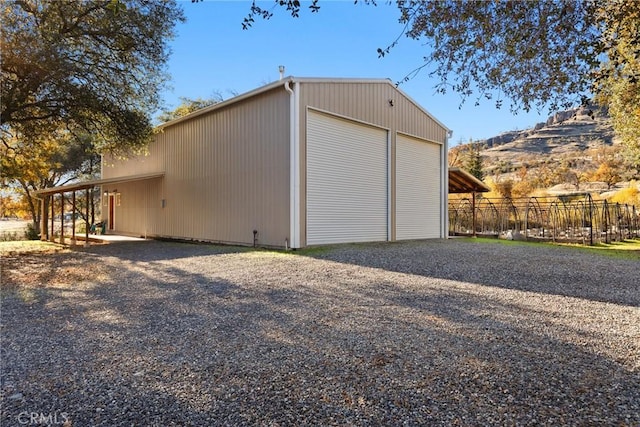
[226, 102]
[292, 79]
[97, 182]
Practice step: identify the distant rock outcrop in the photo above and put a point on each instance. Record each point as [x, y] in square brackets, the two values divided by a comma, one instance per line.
[578, 128]
[503, 138]
[564, 124]
[567, 143]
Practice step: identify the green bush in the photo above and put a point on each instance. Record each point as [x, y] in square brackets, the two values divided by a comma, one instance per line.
[31, 233]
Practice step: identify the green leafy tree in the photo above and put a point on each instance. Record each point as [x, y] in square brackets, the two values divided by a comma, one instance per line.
[91, 66]
[473, 160]
[531, 54]
[188, 106]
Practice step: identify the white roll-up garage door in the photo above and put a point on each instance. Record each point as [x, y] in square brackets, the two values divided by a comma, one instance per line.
[346, 181]
[418, 188]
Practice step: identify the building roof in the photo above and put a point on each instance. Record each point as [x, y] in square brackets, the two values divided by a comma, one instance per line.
[291, 79]
[461, 181]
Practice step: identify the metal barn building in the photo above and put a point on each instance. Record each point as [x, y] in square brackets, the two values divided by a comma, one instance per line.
[298, 162]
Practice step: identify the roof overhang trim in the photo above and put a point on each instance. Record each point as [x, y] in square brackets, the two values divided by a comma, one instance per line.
[97, 182]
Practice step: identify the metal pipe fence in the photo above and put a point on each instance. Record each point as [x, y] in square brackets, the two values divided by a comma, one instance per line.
[575, 219]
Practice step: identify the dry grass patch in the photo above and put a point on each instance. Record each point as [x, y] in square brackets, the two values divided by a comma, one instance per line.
[36, 264]
[19, 247]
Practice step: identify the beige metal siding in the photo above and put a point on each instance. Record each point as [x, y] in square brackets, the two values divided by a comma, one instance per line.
[139, 208]
[346, 181]
[227, 170]
[418, 189]
[226, 173]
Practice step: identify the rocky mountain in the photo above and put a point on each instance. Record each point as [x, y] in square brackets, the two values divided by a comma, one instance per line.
[562, 155]
[571, 131]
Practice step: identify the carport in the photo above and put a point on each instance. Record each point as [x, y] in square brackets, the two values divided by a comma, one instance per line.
[461, 181]
[47, 199]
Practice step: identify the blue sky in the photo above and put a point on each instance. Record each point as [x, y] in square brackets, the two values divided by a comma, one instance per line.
[213, 54]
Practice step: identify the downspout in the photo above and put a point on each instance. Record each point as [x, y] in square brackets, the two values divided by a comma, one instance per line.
[445, 185]
[294, 163]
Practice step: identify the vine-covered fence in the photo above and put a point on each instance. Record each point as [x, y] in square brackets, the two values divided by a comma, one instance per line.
[576, 219]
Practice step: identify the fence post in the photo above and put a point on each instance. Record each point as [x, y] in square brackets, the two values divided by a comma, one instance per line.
[473, 213]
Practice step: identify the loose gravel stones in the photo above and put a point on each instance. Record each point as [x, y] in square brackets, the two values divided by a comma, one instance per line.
[454, 332]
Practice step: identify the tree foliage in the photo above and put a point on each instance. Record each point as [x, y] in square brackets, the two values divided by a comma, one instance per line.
[606, 166]
[30, 164]
[618, 85]
[500, 188]
[188, 106]
[536, 54]
[531, 54]
[292, 6]
[455, 156]
[607, 172]
[468, 157]
[629, 195]
[473, 160]
[12, 207]
[88, 66]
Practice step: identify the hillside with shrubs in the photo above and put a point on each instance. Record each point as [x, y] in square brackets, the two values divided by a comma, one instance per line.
[573, 152]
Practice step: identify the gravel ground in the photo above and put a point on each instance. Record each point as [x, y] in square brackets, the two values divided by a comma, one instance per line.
[455, 332]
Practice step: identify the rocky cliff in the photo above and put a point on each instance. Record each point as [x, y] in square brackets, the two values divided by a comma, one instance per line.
[560, 155]
[577, 129]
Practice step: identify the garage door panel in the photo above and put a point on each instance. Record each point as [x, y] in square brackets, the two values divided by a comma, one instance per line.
[346, 181]
[418, 189]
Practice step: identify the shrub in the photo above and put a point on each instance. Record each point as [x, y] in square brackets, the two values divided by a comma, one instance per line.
[8, 236]
[31, 233]
[630, 196]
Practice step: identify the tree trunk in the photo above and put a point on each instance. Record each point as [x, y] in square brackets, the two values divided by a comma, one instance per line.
[35, 217]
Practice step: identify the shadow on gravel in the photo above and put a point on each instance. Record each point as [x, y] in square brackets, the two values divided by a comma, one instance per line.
[165, 345]
[155, 250]
[535, 268]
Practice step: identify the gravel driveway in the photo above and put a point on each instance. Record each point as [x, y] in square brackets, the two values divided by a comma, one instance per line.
[456, 332]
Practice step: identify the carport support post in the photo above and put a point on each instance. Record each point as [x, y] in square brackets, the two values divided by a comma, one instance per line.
[73, 218]
[62, 218]
[86, 228]
[43, 218]
[53, 203]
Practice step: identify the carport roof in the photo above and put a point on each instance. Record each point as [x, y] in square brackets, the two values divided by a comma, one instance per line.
[96, 182]
[461, 181]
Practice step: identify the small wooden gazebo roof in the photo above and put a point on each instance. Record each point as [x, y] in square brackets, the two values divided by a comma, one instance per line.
[461, 181]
